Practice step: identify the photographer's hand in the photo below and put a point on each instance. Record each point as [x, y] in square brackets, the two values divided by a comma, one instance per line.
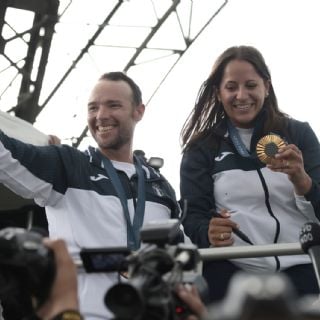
[191, 297]
[63, 295]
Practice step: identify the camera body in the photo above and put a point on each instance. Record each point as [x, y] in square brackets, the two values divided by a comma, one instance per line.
[153, 274]
[27, 271]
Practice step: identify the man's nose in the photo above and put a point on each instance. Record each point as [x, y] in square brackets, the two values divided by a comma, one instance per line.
[103, 112]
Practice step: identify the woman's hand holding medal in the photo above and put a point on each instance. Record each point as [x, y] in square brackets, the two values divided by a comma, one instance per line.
[286, 158]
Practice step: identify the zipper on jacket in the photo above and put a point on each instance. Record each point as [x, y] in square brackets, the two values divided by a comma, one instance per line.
[266, 192]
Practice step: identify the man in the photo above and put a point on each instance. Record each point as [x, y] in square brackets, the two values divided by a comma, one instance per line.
[97, 198]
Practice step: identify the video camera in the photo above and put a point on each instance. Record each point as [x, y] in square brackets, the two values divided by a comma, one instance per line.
[153, 273]
[27, 270]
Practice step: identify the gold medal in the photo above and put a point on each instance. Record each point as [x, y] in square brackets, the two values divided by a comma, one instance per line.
[268, 146]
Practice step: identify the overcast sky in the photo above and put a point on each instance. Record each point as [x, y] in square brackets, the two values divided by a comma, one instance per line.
[287, 34]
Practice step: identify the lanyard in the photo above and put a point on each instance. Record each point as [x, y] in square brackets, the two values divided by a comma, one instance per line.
[237, 142]
[133, 229]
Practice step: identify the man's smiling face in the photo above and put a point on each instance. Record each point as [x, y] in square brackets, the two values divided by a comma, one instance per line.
[112, 115]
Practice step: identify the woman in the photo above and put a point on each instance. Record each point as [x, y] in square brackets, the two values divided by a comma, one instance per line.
[221, 173]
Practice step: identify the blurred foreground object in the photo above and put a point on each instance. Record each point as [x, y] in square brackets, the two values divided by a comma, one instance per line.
[27, 271]
[262, 297]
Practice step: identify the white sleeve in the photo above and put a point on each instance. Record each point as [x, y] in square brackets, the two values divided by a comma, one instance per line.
[305, 207]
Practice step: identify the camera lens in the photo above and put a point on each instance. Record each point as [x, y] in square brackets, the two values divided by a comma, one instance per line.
[124, 300]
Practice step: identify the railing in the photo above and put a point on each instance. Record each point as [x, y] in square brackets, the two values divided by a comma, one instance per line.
[221, 253]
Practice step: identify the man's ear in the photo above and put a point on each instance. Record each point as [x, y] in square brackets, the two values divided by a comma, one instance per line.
[139, 112]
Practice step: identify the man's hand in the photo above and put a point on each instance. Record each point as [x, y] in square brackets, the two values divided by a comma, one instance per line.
[52, 139]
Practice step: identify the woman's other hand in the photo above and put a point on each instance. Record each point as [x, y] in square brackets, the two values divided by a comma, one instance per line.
[220, 230]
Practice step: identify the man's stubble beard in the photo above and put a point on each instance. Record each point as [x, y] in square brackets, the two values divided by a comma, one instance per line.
[118, 142]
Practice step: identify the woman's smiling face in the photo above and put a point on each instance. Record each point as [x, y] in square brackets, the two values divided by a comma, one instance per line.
[242, 92]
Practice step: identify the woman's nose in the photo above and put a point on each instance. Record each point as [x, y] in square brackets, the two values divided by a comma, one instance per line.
[242, 93]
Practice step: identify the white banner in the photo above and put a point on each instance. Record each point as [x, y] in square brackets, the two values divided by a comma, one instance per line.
[21, 129]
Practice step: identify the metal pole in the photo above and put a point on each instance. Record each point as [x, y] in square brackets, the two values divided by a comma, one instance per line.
[281, 249]
[269, 250]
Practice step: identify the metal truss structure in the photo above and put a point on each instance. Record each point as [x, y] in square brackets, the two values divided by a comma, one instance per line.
[36, 41]
[59, 42]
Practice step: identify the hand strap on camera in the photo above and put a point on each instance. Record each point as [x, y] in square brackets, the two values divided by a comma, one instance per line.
[133, 229]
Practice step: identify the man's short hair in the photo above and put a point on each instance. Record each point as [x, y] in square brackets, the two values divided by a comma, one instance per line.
[120, 76]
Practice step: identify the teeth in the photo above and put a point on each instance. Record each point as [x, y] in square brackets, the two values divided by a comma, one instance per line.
[104, 129]
[243, 106]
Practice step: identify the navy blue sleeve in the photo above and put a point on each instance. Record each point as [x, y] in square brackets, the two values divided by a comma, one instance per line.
[196, 186]
[53, 164]
[308, 143]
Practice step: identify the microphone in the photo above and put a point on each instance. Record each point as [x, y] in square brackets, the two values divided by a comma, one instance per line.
[310, 243]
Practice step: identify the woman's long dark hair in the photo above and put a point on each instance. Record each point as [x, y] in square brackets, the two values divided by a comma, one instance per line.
[208, 112]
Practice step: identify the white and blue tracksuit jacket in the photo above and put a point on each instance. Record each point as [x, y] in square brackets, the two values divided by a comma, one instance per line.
[262, 202]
